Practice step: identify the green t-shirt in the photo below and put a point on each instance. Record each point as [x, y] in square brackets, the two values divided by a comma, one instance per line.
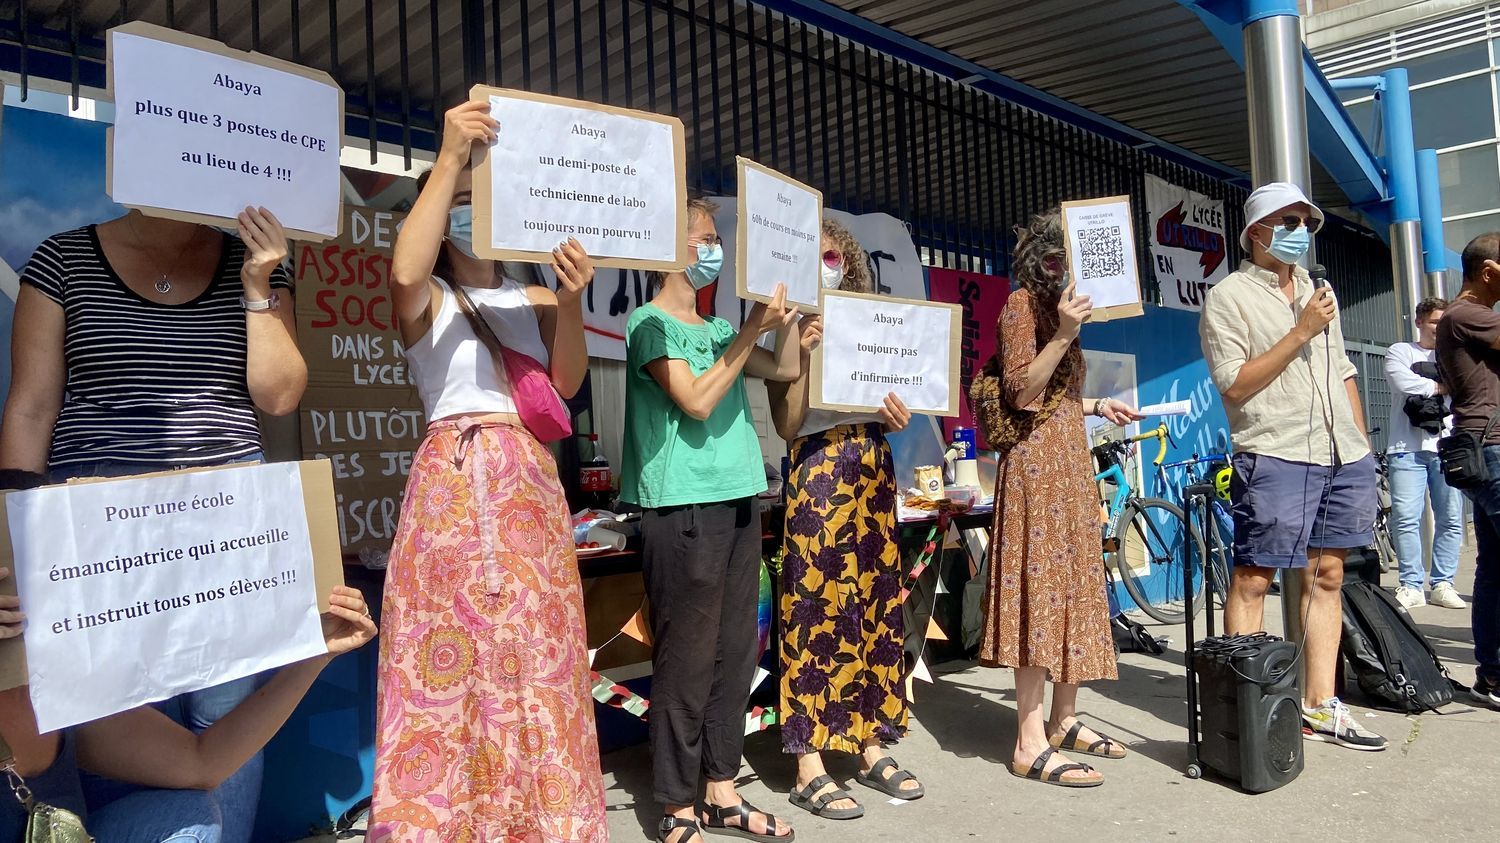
[671, 458]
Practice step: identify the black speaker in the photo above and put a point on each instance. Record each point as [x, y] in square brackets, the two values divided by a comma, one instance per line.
[1251, 713]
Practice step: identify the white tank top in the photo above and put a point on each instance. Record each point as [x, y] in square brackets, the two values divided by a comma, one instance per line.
[454, 372]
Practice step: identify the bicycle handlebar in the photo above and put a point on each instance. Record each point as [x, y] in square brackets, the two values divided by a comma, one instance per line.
[1196, 460]
[1159, 433]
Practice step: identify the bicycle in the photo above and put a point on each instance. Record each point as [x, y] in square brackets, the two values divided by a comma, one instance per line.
[1202, 472]
[1385, 546]
[1148, 533]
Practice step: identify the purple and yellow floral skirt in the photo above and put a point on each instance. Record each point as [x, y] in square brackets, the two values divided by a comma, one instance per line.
[841, 645]
[485, 725]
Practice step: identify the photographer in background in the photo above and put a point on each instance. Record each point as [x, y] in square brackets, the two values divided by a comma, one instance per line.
[1419, 416]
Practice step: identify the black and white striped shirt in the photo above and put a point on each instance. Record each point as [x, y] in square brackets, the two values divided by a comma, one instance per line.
[147, 383]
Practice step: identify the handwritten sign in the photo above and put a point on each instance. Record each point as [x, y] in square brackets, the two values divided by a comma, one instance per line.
[778, 239]
[201, 131]
[1100, 242]
[360, 410]
[147, 587]
[875, 345]
[614, 178]
[981, 298]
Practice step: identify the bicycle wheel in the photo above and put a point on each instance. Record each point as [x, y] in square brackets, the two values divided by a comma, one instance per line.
[1385, 549]
[1155, 543]
[1220, 561]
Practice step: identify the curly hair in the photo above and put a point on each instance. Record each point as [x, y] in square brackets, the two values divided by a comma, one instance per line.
[1037, 263]
[856, 262]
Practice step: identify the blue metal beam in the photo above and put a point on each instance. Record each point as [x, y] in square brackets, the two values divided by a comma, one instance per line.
[840, 22]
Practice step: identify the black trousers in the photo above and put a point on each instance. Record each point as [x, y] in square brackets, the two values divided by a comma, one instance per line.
[702, 569]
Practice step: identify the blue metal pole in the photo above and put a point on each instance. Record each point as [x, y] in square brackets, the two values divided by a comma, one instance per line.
[1430, 203]
[1400, 152]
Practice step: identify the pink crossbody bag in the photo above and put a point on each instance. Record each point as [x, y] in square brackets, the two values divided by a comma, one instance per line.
[537, 403]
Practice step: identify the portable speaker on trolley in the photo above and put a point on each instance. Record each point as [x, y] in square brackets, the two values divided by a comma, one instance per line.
[1244, 708]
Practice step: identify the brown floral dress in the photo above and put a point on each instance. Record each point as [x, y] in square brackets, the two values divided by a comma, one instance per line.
[1044, 605]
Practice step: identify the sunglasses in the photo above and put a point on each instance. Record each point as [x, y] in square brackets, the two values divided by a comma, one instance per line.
[1291, 222]
[833, 258]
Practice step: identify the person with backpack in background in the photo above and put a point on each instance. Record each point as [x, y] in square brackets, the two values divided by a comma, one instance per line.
[1419, 415]
[1468, 351]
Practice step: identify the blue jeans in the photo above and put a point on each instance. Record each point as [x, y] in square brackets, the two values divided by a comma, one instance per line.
[1486, 602]
[225, 814]
[1414, 476]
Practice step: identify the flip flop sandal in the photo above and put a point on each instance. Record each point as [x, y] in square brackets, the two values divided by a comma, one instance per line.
[1056, 776]
[1105, 747]
[669, 824]
[714, 817]
[818, 805]
[890, 785]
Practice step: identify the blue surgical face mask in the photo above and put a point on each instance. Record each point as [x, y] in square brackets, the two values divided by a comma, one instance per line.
[706, 270]
[1289, 246]
[461, 228]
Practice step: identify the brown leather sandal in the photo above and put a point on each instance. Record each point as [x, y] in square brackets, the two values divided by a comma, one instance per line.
[1105, 747]
[1038, 772]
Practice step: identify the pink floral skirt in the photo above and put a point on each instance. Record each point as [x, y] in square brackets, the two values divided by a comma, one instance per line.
[485, 725]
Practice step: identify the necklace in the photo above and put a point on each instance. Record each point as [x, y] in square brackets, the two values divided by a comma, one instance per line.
[163, 282]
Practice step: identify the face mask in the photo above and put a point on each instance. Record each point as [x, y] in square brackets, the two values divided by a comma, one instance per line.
[832, 276]
[461, 229]
[1289, 246]
[706, 270]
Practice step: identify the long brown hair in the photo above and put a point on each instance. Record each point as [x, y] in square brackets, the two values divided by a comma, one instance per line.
[856, 262]
[1038, 261]
[442, 267]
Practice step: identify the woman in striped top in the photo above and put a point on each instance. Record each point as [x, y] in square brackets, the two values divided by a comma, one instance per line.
[145, 344]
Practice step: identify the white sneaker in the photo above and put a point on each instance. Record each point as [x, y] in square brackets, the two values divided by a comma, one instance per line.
[1445, 595]
[1411, 598]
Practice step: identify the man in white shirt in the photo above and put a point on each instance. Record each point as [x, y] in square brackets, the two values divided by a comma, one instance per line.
[1418, 418]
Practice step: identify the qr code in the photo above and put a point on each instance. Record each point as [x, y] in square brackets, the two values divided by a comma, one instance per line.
[1101, 251]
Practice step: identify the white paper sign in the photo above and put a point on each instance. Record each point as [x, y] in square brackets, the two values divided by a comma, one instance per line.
[1189, 252]
[608, 177]
[141, 589]
[781, 220]
[875, 345]
[1101, 253]
[210, 131]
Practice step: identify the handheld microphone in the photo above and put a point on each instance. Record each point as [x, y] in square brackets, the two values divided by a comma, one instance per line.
[1319, 274]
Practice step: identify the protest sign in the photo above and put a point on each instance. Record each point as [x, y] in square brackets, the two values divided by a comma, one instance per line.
[360, 410]
[614, 178]
[142, 588]
[1189, 252]
[1100, 242]
[202, 130]
[981, 298]
[778, 239]
[876, 345]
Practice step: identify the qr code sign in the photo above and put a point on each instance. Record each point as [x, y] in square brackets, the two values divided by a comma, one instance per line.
[1101, 251]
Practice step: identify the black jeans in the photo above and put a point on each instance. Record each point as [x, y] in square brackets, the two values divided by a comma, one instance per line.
[702, 568]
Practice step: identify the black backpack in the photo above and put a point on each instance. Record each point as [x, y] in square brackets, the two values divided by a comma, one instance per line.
[1393, 662]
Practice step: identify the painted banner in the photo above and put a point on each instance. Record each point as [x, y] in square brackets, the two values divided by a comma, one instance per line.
[143, 588]
[360, 410]
[1189, 252]
[982, 297]
[616, 293]
[202, 130]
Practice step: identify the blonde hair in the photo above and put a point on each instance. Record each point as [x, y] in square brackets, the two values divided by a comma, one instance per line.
[856, 264]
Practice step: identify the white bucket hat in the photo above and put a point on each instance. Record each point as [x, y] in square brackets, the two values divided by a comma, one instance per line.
[1269, 198]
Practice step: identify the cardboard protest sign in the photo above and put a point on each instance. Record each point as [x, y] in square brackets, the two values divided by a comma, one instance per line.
[1100, 243]
[142, 588]
[778, 240]
[981, 298]
[360, 410]
[614, 178]
[875, 345]
[202, 130]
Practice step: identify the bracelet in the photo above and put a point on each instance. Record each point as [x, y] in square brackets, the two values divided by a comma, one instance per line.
[271, 303]
[1098, 406]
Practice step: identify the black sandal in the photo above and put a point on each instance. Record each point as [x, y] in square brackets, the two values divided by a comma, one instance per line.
[1056, 776]
[670, 824]
[876, 779]
[818, 805]
[714, 817]
[1105, 747]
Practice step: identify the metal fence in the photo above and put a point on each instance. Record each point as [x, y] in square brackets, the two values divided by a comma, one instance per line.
[961, 166]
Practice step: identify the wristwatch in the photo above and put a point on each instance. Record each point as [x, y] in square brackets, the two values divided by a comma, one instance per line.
[264, 304]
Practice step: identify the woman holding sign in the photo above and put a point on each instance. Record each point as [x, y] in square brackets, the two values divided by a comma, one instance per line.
[1045, 608]
[693, 463]
[145, 344]
[841, 644]
[485, 723]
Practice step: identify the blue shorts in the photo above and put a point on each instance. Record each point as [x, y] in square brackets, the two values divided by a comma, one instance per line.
[1282, 508]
